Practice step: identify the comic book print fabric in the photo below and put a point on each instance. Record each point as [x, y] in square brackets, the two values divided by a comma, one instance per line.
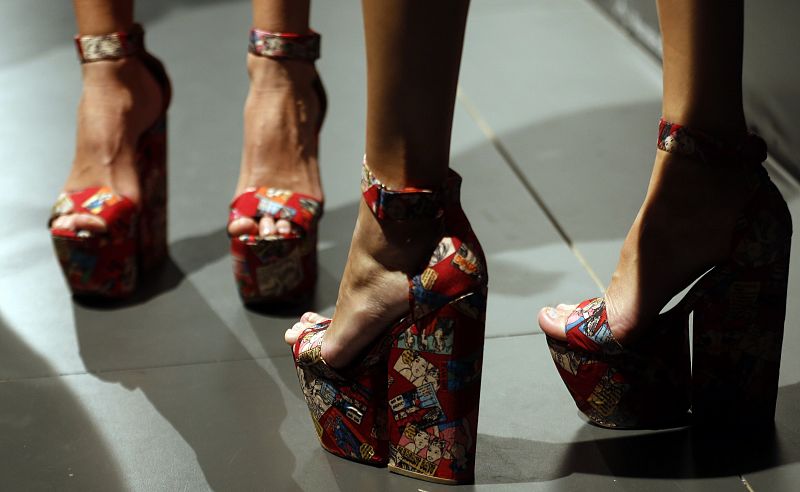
[280, 267]
[411, 402]
[97, 263]
[110, 46]
[406, 204]
[678, 139]
[738, 317]
[646, 384]
[284, 45]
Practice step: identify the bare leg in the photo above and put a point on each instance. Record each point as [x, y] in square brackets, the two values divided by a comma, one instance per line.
[120, 100]
[690, 208]
[280, 116]
[413, 57]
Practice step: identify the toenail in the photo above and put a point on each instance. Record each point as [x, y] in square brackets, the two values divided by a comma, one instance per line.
[551, 313]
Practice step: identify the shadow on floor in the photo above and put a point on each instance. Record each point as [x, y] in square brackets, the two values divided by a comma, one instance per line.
[672, 454]
[47, 439]
[226, 412]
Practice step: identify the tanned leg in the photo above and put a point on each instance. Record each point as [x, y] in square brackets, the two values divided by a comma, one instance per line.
[120, 100]
[685, 223]
[281, 116]
[413, 57]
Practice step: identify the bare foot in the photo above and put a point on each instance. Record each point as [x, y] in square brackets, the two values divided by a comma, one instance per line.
[373, 294]
[683, 228]
[120, 100]
[281, 120]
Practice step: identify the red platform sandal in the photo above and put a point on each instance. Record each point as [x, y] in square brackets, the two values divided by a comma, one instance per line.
[738, 311]
[411, 402]
[108, 264]
[281, 267]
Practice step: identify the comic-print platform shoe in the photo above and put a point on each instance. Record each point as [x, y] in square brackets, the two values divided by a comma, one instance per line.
[108, 264]
[411, 401]
[737, 309]
[281, 267]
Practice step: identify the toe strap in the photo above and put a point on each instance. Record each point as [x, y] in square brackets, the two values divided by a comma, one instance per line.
[118, 212]
[301, 210]
[587, 328]
[307, 352]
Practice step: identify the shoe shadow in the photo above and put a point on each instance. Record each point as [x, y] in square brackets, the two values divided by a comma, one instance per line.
[683, 453]
[199, 376]
[48, 440]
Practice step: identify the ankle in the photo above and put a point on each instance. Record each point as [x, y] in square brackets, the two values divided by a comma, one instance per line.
[279, 73]
[403, 246]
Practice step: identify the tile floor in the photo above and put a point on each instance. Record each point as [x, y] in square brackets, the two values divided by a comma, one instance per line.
[186, 390]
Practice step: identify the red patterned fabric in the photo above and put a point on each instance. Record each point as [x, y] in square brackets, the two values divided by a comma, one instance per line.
[624, 387]
[738, 310]
[284, 45]
[110, 46]
[280, 267]
[98, 263]
[411, 402]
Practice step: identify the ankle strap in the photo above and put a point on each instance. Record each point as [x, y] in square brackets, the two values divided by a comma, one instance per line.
[284, 45]
[111, 46]
[677, 139]
[408, 203]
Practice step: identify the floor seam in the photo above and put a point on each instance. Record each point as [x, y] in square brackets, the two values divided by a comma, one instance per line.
[505, 154]
[142, 368]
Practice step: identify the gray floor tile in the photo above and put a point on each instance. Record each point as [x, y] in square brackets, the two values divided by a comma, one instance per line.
[578, 113]
[187, 390]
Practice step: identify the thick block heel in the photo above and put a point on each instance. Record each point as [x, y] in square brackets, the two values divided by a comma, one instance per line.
[152, 165]
[738, 333]
[434, 391]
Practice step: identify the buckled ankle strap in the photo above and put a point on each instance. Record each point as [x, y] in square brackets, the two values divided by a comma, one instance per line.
[677, 139]
[408, 203]
[112, 46]
[284, 45]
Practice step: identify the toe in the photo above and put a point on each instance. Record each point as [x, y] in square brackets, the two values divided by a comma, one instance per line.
[283, 226]
[242, 225]
[313, 318]
[552, 322]
[293, 333]
[75, 222]
[89, 223]
[266, 226]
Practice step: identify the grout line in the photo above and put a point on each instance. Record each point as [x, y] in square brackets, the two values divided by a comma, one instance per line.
[142, 368]
[513, 335]
[747, 484]
[512, 164]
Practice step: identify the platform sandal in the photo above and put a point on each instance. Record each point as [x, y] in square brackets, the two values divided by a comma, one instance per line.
[737, 309]
[279, 268]
[411, 401]
[108, 264]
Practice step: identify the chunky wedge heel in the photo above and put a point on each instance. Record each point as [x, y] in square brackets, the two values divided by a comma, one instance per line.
[411, 402]
[109, 264]
[280, 268]
[737, 307]
[739, 319]
[434, 392]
